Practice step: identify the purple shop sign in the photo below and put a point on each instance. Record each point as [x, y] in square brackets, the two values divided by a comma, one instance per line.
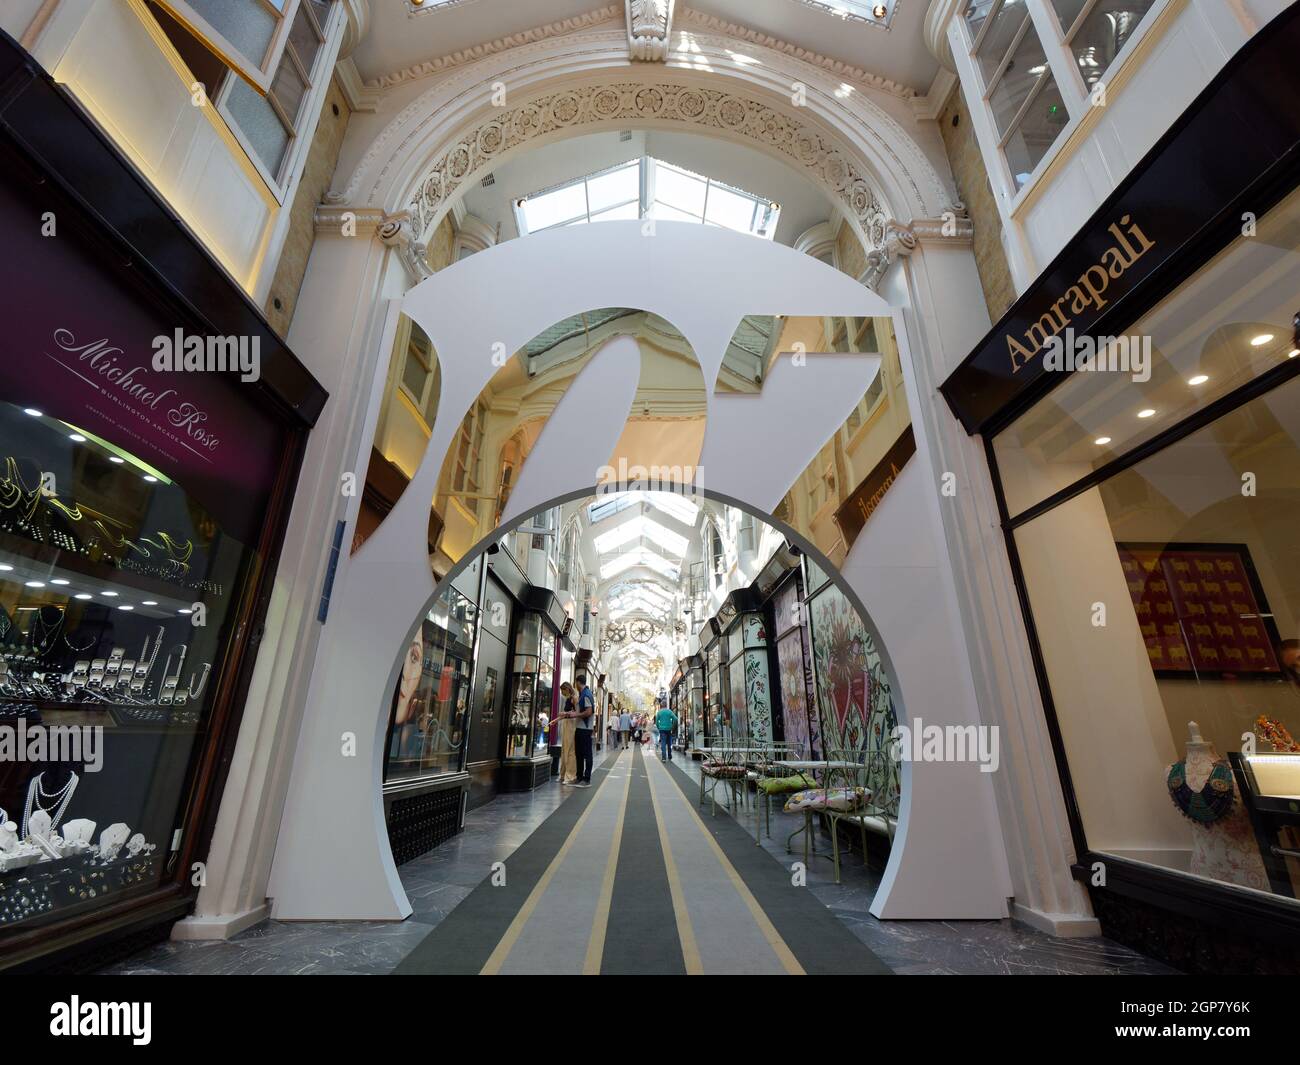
[81, 344]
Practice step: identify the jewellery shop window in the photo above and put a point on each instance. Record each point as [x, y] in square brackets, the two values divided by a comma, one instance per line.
[1166, 596]
[533, 680]
[118, 594]
[426, 737]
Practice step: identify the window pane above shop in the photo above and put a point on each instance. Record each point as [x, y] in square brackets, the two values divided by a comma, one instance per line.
[1229, 323]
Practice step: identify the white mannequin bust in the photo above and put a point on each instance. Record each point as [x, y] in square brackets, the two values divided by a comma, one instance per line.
[1198, 758]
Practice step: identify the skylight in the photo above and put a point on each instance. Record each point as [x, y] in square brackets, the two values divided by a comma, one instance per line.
[648, 188]
[641, 557]
[677, 508]
[635, 528]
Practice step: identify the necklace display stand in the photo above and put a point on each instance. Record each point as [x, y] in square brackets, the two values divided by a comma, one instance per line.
[1223, 849]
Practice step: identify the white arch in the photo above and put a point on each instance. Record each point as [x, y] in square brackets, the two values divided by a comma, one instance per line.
[335, 798]
[564, 86]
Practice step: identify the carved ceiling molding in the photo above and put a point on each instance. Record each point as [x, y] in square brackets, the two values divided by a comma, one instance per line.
[667, 102]
[681, 16]
[847, 71]
[649, 28]
[599, 17]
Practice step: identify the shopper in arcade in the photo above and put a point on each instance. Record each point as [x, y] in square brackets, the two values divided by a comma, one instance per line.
[665, 722]
[625, 729]
[585, 716]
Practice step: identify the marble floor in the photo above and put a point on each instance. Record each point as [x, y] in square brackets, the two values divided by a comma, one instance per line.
[436, 883]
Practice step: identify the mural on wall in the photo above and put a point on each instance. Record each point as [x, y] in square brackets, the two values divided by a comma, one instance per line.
[739, 699]
[758, 699]
[854, 694]
[794, 705]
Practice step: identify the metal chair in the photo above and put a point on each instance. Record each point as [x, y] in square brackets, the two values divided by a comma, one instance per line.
[870, 771]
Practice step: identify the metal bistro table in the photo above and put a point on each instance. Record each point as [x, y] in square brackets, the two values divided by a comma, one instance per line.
[723, 755]
[814, 766]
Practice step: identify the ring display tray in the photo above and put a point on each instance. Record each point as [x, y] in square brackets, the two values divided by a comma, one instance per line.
[59, 883]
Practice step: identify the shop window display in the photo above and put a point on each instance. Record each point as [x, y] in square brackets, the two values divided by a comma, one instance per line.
[1170, 638]
[430, 705]
[119, 592]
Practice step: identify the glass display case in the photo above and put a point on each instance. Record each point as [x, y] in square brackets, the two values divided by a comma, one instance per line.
[119, 603]
[520, 732]
[544, 696]
[428, 723]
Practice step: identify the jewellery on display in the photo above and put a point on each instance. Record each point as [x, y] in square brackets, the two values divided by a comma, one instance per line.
[144, 666]
[167, 692]
[45, 633]
[196, 692]
[40, 801]
[97, 668]
[1211, 802]
[111, 840]
[79, 830]
[72, 646]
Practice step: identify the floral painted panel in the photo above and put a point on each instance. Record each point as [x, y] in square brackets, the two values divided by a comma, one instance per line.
[758, 697]
[857, 707]
[739, 704]
[794, 702]
[755, 632]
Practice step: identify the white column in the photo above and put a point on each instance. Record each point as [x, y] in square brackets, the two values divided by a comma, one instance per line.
[946, 316]
[341, 349]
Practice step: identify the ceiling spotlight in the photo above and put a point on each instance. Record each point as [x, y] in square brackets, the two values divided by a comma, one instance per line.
[114, 458]
[149, 602]
[59, 580]
[880, 10]
[5, 567]
[110, 595]
[77, 438]
[1146, 413]
[34, 584]
[126, 606]
[1102, 441]
[1199, 379]
[1293, 353]
[1261, 340]
[83, 595]
[32, 411]
[151, 480]
[184, 611]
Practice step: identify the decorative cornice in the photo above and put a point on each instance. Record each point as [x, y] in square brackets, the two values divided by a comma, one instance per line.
[901, 240]
[357, 13]
[393, 230]
[358, 95]
[840, 69]
[672, 103]
[468, 55]
[935, 30]
[816, 240]
[649, 29]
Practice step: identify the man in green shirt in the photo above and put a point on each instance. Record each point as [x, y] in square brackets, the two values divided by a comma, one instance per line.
[665, 722]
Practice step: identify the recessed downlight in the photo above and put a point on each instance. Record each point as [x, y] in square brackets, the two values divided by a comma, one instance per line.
[59, 580]
[1261, 340]
[1147, 413]
[34, 584]
[1293, 353]
[126, 606]
[83, 595]
[150, 602]
[114, 458]
[76, 438]
[5, 567]
[32, 411]
[151, 479]
[183, 610]
[1102, 441]
[109, 595]
[1199, 379]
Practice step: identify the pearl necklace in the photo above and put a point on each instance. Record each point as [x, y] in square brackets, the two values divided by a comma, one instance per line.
[35, 793]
